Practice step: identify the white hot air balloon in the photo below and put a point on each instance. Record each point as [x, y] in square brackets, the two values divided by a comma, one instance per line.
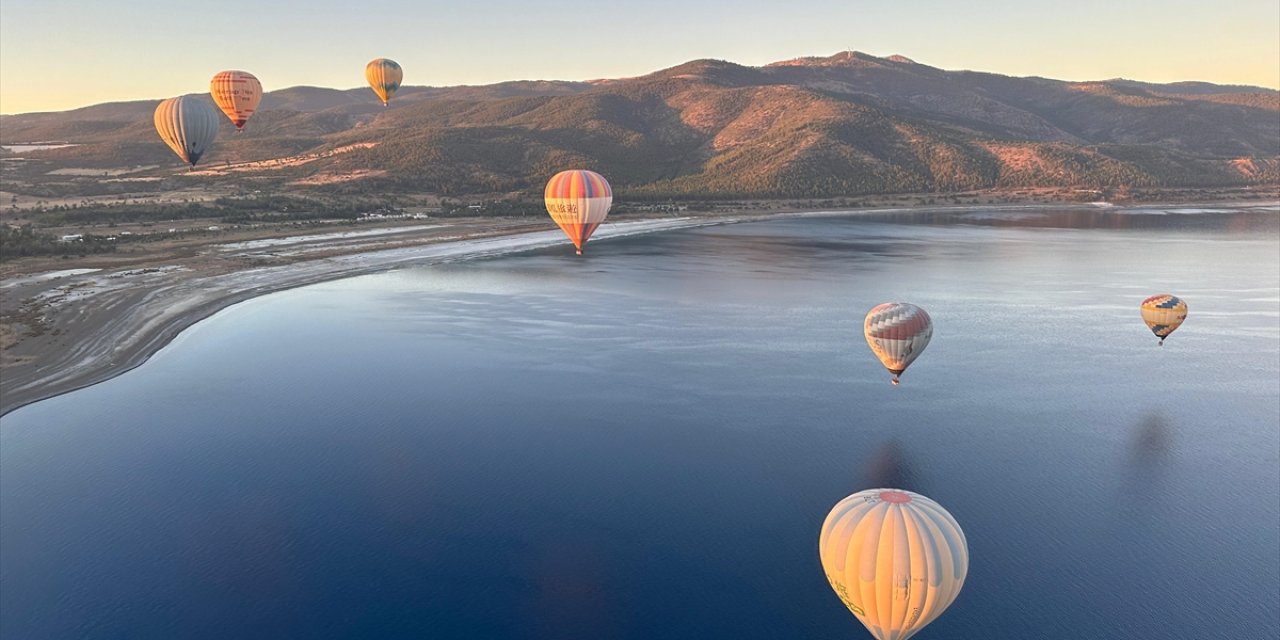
[896, 559]
[897, 333]
[188, 125]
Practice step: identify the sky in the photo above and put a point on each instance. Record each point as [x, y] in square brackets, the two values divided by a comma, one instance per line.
[62, 54]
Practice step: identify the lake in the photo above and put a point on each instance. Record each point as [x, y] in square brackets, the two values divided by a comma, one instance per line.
[644, 442]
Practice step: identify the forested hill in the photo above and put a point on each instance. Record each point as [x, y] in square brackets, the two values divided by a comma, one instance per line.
[843, 125]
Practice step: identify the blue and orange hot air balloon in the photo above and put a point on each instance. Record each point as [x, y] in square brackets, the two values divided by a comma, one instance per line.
[384, 78]
[1163, 313]
[578, 200]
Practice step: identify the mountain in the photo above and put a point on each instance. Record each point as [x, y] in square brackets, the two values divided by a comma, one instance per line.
[847, 124]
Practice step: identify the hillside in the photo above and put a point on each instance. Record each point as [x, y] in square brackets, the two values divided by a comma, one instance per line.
[842, 125]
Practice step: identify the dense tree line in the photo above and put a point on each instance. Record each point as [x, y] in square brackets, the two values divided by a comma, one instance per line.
[18, 242]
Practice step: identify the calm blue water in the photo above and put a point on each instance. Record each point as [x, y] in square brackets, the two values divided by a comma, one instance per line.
[644, 443]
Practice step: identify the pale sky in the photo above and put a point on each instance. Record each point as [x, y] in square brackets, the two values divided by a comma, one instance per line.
[62, 54]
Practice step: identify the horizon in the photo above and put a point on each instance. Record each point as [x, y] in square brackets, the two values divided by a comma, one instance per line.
[1236, 45]
[619, 78]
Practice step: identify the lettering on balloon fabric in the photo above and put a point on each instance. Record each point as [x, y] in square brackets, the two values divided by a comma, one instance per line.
[563, 208]
[915, 615]
[844, 595]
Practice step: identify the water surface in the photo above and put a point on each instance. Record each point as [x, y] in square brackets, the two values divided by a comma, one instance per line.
[643, 443]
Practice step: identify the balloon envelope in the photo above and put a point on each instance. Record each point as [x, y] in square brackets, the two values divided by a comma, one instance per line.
[897, 333]
[237, 93]
[578, 201]
[188, 125]
[896, 559]
[1163, 313]
[384, 76]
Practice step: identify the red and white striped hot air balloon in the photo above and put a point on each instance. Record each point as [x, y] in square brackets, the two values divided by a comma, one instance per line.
[578, 200]
[897, 333]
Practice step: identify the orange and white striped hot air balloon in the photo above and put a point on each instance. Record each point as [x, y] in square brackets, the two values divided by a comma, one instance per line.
[897, 333]
[896, 559]
[578, 200]
[237, 93]
[1163, 313]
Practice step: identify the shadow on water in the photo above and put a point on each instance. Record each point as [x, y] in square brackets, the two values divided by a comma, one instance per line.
[1152, 440]
[1149, 450]
[571, 598]
[890, 467]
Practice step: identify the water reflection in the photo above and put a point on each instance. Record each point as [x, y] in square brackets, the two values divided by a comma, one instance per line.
[1208, 219]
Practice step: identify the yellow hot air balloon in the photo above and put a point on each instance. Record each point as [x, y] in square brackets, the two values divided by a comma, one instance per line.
[188, 125]
[1163, 313]
[384, 76]
[237, 93]
[897, 333]
[896, 559]
[578, 201]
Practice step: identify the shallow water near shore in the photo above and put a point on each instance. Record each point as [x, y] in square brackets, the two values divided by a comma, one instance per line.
[643, 443]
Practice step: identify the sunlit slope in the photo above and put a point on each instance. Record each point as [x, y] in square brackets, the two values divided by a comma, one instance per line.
[848, 124]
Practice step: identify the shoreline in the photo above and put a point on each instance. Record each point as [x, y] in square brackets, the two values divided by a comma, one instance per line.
[102, 329]
[139, 316]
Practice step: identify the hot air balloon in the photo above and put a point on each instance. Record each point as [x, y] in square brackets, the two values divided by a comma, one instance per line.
[384, 76]
[897, 332]
[578, 201]
[188, 125]
[896, 559]
[237, 93]
[1163, 313]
